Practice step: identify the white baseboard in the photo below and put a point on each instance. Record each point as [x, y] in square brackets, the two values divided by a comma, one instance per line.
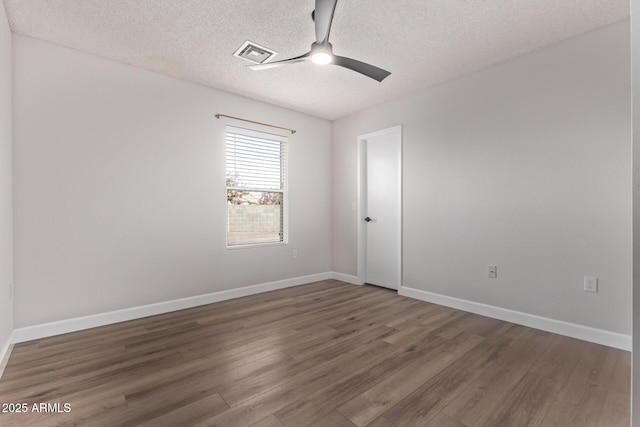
[80, 323]
[5, 353]
[585, 333]
[345, 278]
[599, 336]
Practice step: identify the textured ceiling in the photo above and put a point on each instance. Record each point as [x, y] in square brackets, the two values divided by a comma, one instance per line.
[422, 42]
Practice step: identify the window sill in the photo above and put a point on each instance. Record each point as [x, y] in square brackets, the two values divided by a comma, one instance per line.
[256, 245]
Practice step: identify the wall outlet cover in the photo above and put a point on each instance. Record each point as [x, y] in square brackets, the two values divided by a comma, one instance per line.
[590, 284]
[493, 271]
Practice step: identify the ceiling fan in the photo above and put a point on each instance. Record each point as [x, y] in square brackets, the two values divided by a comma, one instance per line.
[322, 51]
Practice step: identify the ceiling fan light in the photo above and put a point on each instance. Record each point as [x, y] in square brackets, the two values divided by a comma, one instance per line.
[322, 58]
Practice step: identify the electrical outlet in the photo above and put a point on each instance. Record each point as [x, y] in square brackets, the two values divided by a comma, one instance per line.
[294, 254]
[493, 271]
[590, 284]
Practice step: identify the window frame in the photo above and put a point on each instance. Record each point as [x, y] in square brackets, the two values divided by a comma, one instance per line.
[284, 200]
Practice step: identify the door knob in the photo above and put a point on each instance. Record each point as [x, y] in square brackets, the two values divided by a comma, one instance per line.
[368, 219]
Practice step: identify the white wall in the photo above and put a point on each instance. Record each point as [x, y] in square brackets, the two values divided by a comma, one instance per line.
[526, 166]
[635, 77]
[119, 188]
[6, 186]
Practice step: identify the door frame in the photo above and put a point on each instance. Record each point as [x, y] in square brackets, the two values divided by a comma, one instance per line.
[362, 198]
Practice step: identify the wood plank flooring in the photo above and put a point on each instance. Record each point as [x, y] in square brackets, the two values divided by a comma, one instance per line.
[325, 354]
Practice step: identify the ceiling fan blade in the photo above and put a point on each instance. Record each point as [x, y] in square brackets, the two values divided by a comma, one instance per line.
[323, 16]
[361, 67]
[275, 64]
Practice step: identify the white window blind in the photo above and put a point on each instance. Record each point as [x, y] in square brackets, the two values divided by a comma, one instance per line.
[256, 172]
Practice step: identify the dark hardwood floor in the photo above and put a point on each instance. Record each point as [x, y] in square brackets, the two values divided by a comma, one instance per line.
[325, 354]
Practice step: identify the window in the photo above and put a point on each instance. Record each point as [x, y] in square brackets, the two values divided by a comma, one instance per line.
[256, 187]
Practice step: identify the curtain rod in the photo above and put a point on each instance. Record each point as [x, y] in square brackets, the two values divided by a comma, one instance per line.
[257, 123]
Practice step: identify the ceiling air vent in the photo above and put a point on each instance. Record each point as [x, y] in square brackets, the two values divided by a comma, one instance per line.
[254, 53]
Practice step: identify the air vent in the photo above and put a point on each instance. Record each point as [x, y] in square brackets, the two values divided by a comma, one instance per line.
[254, 53]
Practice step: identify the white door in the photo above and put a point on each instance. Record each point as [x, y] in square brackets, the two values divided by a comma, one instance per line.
[381, 168]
